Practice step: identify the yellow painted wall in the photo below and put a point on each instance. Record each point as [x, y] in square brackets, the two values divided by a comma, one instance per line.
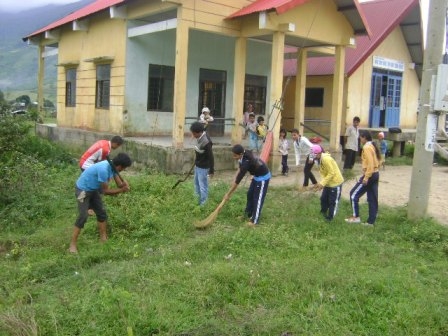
[357, 92]
[105, 38]
[199, 14]
[316, 19]
[393, 47]
[316, 117]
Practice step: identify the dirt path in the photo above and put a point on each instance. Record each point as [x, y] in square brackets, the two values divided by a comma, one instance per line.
[393, 188]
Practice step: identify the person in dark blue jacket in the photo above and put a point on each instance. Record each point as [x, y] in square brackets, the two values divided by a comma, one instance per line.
[259, 185]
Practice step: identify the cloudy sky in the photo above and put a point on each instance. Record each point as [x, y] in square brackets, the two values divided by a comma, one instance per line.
[18, 5]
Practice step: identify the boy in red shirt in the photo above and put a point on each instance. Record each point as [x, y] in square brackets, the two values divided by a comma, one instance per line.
[98, 151]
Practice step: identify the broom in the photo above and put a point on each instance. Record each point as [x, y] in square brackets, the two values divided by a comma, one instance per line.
[212, 217]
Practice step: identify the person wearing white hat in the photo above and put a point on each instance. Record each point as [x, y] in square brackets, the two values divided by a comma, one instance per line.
[205, 116]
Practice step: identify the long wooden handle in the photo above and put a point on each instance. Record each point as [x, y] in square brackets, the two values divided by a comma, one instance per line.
[224, 200]
[114, 169]
[185, 178]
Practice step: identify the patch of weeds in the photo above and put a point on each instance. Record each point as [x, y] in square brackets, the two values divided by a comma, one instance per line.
[20, 321]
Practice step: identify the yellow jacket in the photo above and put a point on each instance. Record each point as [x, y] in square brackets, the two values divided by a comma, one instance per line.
[329, 171]
[369, 161]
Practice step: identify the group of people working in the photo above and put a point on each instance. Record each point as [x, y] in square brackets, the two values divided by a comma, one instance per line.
[98, 170]
[331, 176]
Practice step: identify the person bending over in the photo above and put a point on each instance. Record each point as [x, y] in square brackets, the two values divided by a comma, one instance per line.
[258, 186]
[93, 182]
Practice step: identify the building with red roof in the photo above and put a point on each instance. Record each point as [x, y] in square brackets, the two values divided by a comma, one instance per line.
[382, 73]
[143, 68]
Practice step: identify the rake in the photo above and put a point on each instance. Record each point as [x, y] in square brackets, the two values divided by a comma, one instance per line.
[185, 178]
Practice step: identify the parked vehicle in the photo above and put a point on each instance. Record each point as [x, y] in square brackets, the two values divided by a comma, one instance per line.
[19, 113]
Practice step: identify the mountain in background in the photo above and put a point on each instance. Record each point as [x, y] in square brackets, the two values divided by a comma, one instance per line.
[19, 60]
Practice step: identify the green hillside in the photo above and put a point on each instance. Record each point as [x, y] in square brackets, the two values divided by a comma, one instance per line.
[19, 60]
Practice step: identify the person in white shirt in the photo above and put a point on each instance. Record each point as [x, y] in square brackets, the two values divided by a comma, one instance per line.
[283, 147]
[303, 146]
[351, 143]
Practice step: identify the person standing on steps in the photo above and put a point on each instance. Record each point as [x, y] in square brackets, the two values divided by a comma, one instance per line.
[249, 111]
[93, 182]
[251, 128]
[205, 117]
[351, 143]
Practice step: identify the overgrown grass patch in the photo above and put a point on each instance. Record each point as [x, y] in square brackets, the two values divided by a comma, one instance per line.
[295, 274]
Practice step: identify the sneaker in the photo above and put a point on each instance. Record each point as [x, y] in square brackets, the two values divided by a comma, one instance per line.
[367, 224]
[353, 220]
[251, 224]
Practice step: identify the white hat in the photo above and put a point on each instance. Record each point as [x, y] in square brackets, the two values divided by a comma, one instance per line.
[205, 110]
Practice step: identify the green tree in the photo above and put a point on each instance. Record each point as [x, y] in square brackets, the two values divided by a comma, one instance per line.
[4, 105]
[24, 99]
[48, 103]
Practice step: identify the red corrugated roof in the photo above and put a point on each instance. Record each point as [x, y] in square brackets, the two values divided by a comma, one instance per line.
[280, 6]
[92, 8]
[382, 17]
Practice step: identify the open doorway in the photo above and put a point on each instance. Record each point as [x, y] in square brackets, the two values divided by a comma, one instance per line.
[212, 93]
[385, 98]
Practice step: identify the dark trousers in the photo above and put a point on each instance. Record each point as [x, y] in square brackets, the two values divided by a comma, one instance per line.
[308, 173]
[371, 188]
[285, 168]
[255, 199]
[329, 201]
[350, 158]
[91, 200]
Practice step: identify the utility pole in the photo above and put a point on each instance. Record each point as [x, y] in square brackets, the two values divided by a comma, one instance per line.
[424, 153]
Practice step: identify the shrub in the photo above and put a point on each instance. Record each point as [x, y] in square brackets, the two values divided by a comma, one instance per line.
[25, 165]
[409, 150]
[13, 132]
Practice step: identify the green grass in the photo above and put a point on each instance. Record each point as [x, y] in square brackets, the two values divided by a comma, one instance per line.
[158, 275]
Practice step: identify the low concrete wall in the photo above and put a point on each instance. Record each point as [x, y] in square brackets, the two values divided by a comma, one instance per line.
[164, 159]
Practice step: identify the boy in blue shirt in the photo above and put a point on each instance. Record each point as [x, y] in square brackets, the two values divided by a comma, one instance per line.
[93, 182]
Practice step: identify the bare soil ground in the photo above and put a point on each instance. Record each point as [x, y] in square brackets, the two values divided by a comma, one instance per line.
[394, 187]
